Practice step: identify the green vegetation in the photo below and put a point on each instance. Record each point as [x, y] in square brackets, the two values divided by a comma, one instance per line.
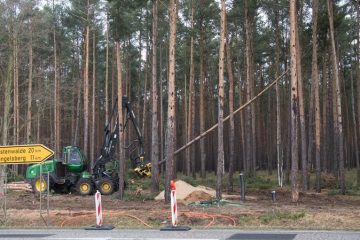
[13, 177]
[281, 216]
[262, 181]
[352, 187]
[244, 219]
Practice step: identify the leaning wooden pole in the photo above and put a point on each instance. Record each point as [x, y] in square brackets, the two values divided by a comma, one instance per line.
[228, 117]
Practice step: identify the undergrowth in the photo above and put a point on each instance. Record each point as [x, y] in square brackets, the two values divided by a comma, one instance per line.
[281, 216]
[262, 181]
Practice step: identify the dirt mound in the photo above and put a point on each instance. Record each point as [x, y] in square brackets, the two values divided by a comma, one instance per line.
[197, 196]
[189, 193]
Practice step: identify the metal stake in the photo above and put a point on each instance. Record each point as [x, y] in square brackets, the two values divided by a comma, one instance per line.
[273, 196]
[242, 187]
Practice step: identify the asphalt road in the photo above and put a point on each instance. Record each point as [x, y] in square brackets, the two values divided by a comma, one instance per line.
[122, 234]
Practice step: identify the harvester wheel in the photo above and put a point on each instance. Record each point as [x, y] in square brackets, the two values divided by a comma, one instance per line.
[38, 185]
[106, 186]
[84, 186]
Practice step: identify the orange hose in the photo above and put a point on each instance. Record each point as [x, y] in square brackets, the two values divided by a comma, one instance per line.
[137, 219]
[110, 214]
[196, 214]
[213, 216]
[227, 217]
[186, 213]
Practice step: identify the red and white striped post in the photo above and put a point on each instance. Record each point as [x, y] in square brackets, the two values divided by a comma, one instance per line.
[174, 220]
[99, 218]
[98, 209]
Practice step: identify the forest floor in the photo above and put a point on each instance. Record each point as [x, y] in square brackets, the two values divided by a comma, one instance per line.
[325, 211]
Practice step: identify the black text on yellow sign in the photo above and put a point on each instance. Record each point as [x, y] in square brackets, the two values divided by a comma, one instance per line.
[24, 154]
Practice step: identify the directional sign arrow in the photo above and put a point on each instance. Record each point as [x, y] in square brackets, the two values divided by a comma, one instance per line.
[24, 154]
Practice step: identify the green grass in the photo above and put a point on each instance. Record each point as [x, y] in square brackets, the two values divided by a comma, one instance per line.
[259, 183]
[281, 216]
[209, 181]
[132, 197]
[244, 219]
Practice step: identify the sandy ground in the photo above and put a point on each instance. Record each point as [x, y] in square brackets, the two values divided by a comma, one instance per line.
[313, 211]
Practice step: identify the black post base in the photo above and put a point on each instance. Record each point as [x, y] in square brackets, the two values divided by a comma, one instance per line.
[175, 228]
[102, 227]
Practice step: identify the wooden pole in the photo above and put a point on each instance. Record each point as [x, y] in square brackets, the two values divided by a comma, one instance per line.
[228, 117]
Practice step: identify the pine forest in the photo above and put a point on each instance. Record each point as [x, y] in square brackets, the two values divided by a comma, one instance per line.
[220, 87]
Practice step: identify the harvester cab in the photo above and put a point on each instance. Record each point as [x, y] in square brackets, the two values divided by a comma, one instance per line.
[74, 159]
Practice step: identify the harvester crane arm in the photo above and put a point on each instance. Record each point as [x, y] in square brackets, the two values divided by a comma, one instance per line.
[111, 135]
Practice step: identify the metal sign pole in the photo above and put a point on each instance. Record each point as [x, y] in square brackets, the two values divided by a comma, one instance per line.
[3, 197]
[41, 181]
[40, 186]
[5, 193]
[48, 192]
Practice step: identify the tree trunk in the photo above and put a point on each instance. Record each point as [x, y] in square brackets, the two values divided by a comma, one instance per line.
[93, 126]
[16, 96]
[161, 114]
[16, 90]
[107, 74]
[77, 117]
[249, 110]
[190, 158]
[334, 144]
[315, 82]
[338, 96]
[86, 83]
[357, 160]
[242, 127]
[220, 158]
[6, 120]
[301, 112]
[325, 116]
[253, 105]
[279, 150]
[57, 130]
[231, 112]
[202, 101]
[155, 99]
[113, 77]
[358, 88]
[311, 134]
[120, 120]
[294, 103]
[29, 116]
[144, 105]
[170, 125]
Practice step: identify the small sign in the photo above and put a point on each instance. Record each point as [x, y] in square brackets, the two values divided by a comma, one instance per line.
[24, 154]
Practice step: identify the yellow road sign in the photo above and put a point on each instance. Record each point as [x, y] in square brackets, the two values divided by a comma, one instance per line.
[24, 154]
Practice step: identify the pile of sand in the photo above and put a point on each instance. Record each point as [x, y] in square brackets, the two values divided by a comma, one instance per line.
[189, 193]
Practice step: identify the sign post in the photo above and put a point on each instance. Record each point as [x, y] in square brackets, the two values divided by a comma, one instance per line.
[24, 154]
